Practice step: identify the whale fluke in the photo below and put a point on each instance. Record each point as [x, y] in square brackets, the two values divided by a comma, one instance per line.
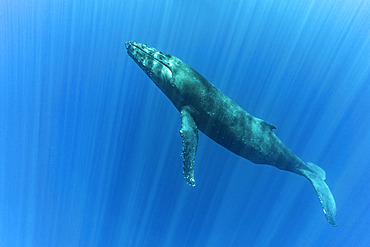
[317, 176]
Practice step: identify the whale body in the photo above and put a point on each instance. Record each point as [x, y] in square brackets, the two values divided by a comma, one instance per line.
[203, 107]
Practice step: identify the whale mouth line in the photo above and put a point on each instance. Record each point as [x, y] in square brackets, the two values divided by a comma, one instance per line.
[150, 55]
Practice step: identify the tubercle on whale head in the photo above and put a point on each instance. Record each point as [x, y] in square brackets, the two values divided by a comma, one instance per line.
[157, 65]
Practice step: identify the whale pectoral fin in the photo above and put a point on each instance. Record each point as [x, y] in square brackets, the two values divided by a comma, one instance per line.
[189, 134]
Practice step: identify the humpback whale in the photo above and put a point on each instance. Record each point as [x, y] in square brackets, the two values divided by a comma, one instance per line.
[203, 107]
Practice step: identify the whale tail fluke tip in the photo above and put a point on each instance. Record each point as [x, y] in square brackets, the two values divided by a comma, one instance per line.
[316, 176]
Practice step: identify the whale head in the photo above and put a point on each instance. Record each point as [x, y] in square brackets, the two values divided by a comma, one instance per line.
[173, 77]
[156, 64]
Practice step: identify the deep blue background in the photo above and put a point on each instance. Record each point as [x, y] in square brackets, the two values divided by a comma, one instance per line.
[90, 149]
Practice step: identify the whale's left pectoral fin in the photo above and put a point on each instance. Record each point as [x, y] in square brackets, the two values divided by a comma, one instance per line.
[189, 134]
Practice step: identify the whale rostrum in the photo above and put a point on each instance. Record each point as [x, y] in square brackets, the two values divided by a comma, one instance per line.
[203, 107]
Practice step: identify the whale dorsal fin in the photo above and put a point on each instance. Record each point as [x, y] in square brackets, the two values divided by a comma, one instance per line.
[189, 134]
[270, 126]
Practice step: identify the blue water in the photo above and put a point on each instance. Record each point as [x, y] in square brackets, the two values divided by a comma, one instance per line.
[90, 149]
